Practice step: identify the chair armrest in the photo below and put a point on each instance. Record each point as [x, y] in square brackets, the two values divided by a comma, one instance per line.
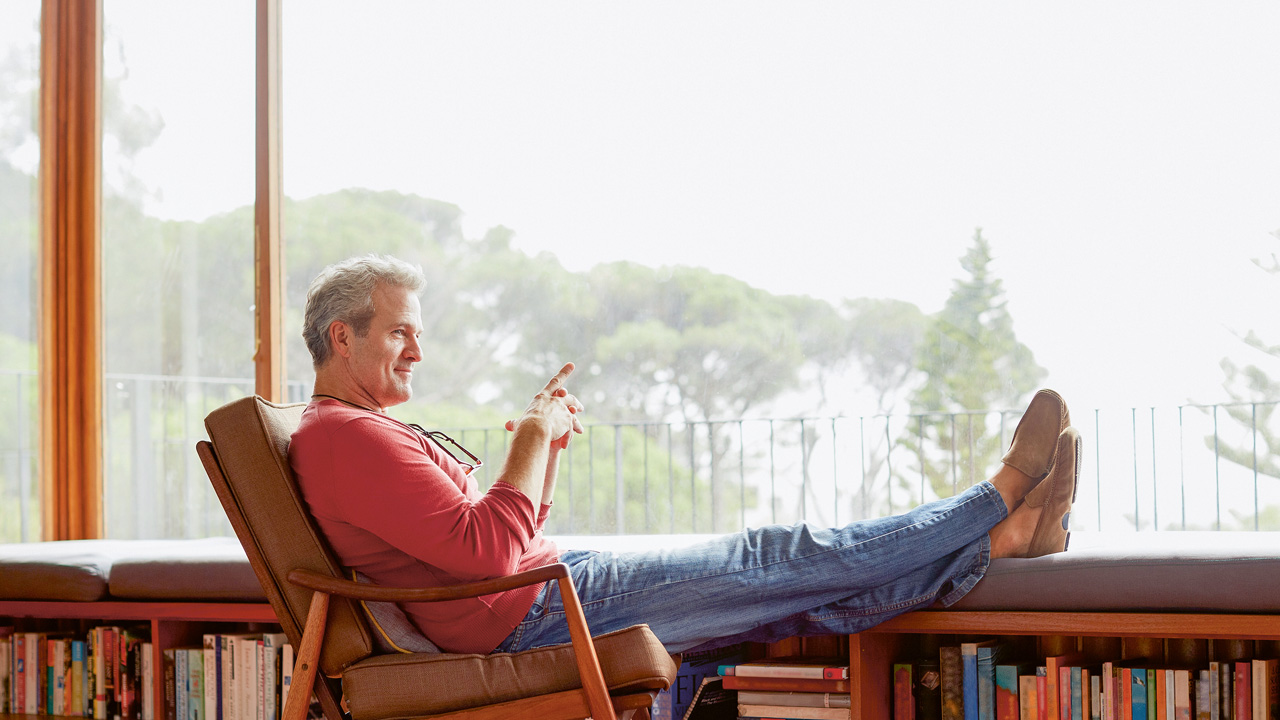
[364, 591]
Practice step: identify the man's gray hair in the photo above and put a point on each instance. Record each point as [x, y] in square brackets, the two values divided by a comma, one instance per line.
[344, 292]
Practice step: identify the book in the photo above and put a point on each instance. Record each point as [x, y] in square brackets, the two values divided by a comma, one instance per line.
[1138, 688]
[286, 674]
[271, 644]
[1226, 678]
[975, 699]
[791, 712]
[195, 684]
[797, 699]
[1095, 697]
[1266, 689]
[928, 690]
[1243, 690]
[1076, 680]
[904, 701]
[988, 656]
[79, 678]
[789, 668]
[1053, 665]
[950, 666]
[1181, 695]
[148, 682]
[1204, 696]
[212, 675]
[1007, 706]
[711, 701]
[670, 704]
[167, 674]
[1027, 698]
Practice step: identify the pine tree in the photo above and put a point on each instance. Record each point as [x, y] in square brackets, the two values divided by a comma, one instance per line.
[1254, 395]
[972, 363]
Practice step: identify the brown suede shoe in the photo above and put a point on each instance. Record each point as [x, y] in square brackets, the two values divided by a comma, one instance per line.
[1054, 496]
[1035, 440]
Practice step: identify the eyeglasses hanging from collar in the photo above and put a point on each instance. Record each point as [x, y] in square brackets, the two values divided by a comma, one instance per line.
[440, 439]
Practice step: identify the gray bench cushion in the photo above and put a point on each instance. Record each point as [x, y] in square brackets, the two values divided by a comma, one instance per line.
[1151, 571]
[70, 570]
[212, 569]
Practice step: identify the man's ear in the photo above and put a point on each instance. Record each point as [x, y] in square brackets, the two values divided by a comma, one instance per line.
[340, 335]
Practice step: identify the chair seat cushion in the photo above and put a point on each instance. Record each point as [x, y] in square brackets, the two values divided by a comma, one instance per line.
[396, 686]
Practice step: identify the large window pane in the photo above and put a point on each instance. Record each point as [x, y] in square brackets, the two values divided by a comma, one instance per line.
[178, 155]
[19, 289]
[900, 219]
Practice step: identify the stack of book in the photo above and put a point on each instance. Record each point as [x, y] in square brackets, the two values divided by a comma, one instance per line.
[108, 674]
[983, 681]
[790, 689]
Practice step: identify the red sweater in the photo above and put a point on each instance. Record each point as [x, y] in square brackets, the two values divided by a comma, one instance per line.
[397, 508]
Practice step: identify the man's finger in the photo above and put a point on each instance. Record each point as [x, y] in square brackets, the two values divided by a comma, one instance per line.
[558, 381]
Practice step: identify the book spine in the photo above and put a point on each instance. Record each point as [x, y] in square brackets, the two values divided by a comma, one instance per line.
[1138, 685]
[1226, 678]
[180, 684]
[1027, 698]
[1006, 682]
[904, 703]
[148, 682]
[1244, 690]
[286, 674]
[228, 678]
[969, 666]
[949, 665]
[1181, 695]
[195, 684]
[986, 683]
[1077, 692]
[33, 674]
[1042, 692]
[209, 653]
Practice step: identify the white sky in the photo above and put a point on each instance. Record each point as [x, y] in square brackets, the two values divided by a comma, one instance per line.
[1122, 158]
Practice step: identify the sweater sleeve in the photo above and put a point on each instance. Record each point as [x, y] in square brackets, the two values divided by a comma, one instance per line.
[401, 495]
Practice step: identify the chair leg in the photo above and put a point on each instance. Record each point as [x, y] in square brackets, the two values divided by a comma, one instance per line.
[308, 661]
[584, 653]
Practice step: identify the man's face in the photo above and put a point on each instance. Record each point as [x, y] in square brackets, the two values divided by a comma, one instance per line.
[382, 361]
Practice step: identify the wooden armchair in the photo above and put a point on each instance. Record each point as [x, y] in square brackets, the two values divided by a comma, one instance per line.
[612, 676]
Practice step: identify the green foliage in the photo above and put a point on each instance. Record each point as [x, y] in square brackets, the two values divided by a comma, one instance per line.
[971, 360]
[1252, 384]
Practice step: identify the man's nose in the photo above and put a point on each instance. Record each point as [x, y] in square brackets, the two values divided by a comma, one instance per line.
[413, 351]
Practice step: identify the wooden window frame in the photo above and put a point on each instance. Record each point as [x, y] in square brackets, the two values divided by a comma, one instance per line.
[71, 314]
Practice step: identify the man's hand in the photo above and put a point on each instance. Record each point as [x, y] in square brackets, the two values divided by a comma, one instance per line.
[555, 409]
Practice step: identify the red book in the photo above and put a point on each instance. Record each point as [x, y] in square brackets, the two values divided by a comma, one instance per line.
[1243, 690]
[1052, 666]
[904, 703]
[1042, 693]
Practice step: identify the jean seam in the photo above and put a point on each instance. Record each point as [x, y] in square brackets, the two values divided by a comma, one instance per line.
[985, 496]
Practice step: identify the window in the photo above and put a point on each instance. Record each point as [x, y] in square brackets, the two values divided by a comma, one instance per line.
[1066, 196]
[178, 99]
[20, 518]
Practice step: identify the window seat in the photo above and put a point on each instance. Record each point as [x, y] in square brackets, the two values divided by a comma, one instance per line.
[1103, 572]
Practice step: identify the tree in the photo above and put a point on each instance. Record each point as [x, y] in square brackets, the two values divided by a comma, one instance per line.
[971, 360]
[1254, 390]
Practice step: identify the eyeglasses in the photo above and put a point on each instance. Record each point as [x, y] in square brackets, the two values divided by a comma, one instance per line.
[440, 439]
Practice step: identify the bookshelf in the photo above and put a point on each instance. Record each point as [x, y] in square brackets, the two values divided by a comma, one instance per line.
[172, 624]
[1173, 637]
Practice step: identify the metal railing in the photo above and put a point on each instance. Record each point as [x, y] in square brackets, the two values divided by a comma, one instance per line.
[1202, 467]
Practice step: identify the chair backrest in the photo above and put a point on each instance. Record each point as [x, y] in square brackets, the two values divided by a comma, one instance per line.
[252, 477]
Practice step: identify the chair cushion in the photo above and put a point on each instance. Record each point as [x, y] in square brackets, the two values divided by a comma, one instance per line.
[394, 686]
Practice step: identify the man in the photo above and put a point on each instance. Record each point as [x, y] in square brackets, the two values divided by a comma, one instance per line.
[396, 505]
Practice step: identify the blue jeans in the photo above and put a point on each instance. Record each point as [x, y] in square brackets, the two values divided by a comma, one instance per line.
[776, 582]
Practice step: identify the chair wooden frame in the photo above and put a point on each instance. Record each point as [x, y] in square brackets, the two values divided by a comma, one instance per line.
[592, 700]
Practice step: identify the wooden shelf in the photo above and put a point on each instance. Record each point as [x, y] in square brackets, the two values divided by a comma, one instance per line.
[1137, 634]
[172, 624]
